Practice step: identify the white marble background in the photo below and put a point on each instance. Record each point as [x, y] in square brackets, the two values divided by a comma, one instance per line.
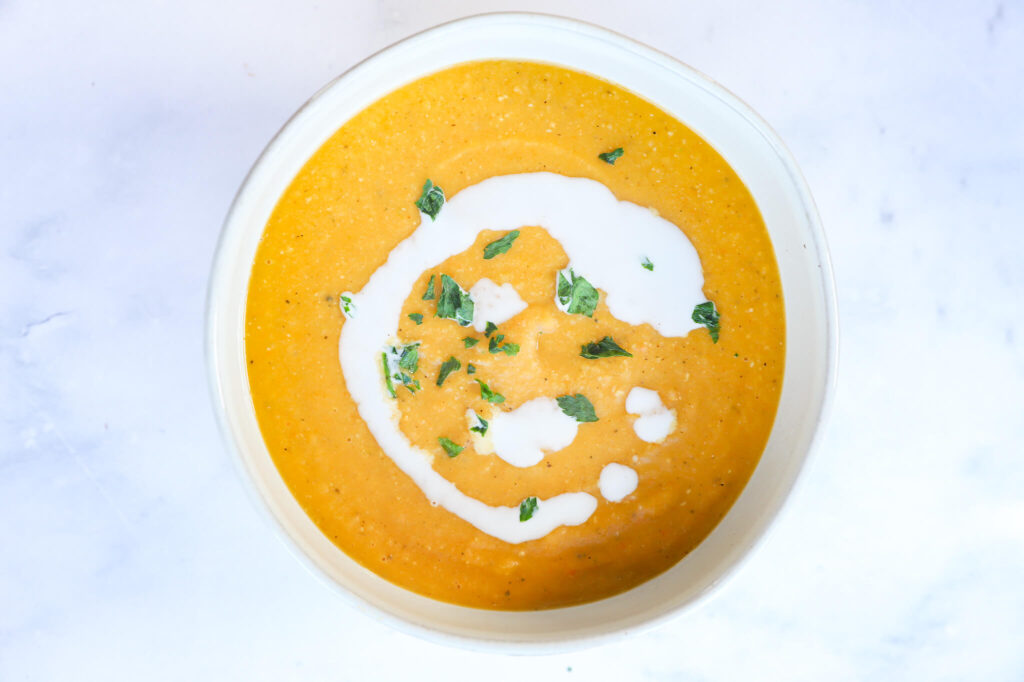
[127, 547]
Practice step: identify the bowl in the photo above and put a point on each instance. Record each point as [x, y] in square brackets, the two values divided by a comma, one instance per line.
[734, 130]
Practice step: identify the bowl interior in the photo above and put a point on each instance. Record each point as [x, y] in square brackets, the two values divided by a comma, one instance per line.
[732, 129]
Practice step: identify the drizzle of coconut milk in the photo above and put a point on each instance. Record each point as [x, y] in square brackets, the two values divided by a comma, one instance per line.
[606, 241]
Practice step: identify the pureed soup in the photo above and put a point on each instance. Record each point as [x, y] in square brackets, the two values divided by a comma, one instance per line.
[515, 337]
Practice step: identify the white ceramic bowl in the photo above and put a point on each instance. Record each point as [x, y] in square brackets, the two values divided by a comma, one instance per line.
[746, 142]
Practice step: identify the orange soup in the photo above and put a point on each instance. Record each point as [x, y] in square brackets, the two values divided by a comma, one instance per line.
[515, 337]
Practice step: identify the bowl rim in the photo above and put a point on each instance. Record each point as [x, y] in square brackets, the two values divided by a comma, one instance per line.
[830, 312]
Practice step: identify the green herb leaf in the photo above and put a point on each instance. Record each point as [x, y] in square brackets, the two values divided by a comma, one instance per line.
[487, 394]
[481, 425]
[576, 294]
[416, 317]
[495, 345]
[451, 448]
[605, 348]
[387, 375]
[526, 508]
[431, 200]
[469, 342]
[705, 314]
[348, 308]
[471, 368]
[429, 294]
[578, 407]
[612, 156]
[500, 246]
[647, 264]
[447, 367]
[490, 329]
[455, 302]
[409, 360]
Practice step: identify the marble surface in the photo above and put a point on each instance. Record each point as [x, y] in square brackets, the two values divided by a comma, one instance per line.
[129, 550]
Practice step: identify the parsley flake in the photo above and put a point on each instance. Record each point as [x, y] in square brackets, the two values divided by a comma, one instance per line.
[455, 303]
[470, 368]
[526, 508]
[705, 314]
[469, 341]
[416, 317]
[612, 156]
[487, 394]
[348, 308]
[400, 363]
[450, 365]
[646, 264]
[578, 407]
[495, 345]
[490, 329]
[451, 448]
[429, 294]
[576, 295]
[431, 200]
[605, 348]
[481, 425]
[500, 246]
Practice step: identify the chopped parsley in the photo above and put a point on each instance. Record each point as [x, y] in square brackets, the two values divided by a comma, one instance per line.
[490, 329]
[578, 407]
[469, 342]
[705, 314]
[455, 302]
[431, 200]
[495, 345]
[451, 448]
[416, 317]
[487, 394]
[481, 425]
[450, 365]
[526, 508]
[647, 264]
[400, 363]
[500, 246]
[348, 308]
[576, 295]
[605, 348]
[470, 368]
[429, 294]
[612, 156]
[387, 375]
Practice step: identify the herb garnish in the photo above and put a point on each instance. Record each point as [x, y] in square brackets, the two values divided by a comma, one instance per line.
[348, 308]
[500, 246]
[451, 448]
[705, 314]
[470, 368]
[612, 156]
[481, 425]
[416, 317]
[450, 365]
[495, 345]
[487, 394]
[431, 200]
[647, 264]
[605, 348]
[578, 407]
[576, 294]
[526, 508]
[490, 329]
[400, 363]
[429, 294]
[455, 302]
[469, 341]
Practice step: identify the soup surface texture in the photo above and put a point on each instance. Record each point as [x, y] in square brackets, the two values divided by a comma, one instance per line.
[581, 447]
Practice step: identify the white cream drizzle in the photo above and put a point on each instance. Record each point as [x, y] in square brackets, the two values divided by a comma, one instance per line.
[492, 303]
[605, 240]
[617, 482]
[655, 421]
[522, 435]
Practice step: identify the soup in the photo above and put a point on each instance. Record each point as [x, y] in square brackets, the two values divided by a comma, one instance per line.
[515, 337]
